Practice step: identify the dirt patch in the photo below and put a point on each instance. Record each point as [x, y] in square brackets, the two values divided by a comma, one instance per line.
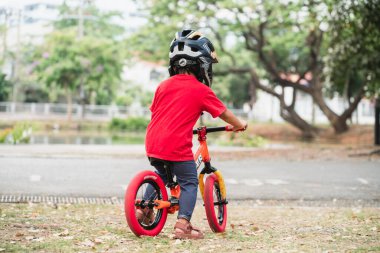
[303, 152]
[357, 135]
[102, 228]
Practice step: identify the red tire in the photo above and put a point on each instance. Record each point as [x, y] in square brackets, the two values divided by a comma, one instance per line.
[216, 208]
[135, 194]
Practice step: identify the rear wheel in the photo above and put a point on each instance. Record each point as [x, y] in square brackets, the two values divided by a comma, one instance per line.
[142, 217]
[216, 208]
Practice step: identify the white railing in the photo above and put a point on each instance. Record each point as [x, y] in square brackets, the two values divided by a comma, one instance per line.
[266, 109]
[29, 111]
[59, 111]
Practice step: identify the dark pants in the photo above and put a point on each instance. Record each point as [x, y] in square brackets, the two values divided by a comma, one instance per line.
[186, 174]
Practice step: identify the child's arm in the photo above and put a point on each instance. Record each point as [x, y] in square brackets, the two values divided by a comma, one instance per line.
[230, 118]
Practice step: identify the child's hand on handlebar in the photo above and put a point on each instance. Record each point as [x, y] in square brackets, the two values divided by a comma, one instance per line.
[242, 127]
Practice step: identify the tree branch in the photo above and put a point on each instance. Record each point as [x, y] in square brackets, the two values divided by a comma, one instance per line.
[286, 83]
[314, 41]
[348, 112]
[221, 44]
[293, 99]
[248, 43]
[256, 81]
[232, 70]
[254, 78]
[236, 70]
[270, 66]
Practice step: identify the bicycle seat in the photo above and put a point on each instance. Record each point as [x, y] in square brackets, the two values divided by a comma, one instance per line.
[156, 162]
[159, 162]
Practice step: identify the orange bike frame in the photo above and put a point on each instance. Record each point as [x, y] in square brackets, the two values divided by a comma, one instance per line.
[202, 155]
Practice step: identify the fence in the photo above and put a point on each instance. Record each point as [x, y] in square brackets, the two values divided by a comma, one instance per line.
[266, 109]
[30, 111]
[59, 111]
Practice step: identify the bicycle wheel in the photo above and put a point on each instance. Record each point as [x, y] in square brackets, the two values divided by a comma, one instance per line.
[144, 188]
[216, 208]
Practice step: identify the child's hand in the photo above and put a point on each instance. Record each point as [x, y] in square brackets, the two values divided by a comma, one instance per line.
[241, 127]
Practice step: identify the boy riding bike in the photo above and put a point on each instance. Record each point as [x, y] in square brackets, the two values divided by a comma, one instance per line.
[177, 104]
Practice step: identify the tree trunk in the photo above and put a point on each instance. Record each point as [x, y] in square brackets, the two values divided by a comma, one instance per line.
[286, 112]
[256, 42]
[252, 95]
[69, 102]
[312, 112]
[339, 123]
[5, 45]
[290, 115]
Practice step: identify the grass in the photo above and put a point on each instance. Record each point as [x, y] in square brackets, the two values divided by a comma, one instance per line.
[100, 228]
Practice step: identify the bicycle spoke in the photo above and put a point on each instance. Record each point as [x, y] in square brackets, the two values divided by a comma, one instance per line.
[218, 205]
[147, 193]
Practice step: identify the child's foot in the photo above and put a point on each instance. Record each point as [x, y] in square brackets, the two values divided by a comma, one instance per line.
[184, 230]
[145, 216]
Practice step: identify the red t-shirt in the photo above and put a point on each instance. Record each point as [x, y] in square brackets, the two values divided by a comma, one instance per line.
[176, 107]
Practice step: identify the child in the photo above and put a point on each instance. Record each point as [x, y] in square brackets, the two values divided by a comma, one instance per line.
[176, 107]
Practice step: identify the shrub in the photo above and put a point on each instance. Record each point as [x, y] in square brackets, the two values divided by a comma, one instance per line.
[20, 133]
[129, 124]
[255, 141]
[242, 140]
[4, 134]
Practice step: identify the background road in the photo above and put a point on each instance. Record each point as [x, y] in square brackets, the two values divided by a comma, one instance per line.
[108, 176]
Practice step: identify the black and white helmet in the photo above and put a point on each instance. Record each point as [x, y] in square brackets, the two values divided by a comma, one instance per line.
[191, 49]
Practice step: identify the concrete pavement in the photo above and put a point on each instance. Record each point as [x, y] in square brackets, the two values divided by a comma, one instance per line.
[105, 171]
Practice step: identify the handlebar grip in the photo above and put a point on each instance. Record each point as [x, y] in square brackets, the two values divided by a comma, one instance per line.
[216, 129]
[213, 129]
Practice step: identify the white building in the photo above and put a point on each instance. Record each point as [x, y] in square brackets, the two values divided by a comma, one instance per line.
[146, 74]
[28, 21]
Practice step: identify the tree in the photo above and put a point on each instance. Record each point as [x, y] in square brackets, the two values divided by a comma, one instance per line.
[281, 38]
[5, 14]
[354, 55]
[95, 22]
[5, 88]
[83, 56]
[64, 62]
[233, 89]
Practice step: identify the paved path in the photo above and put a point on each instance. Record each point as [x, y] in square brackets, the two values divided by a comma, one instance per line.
[75, 174]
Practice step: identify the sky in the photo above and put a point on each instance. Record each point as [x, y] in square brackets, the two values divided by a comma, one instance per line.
[124, 6]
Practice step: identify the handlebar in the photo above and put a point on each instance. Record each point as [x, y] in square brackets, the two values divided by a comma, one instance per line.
[214, 129]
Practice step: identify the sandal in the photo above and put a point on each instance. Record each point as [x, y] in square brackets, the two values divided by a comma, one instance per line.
[187, 231]
[145, 216]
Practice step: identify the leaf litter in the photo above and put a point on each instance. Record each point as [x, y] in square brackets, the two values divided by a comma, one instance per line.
[76, 228]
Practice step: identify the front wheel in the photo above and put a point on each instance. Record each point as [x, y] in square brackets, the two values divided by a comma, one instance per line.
[216, 208]
[142, 217]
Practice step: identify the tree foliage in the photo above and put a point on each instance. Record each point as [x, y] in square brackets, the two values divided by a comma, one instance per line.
[5, 88]
[354, 49]
[83, 59]
[65, 61]
[134, 93]
[280, 39]
[95, 22]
